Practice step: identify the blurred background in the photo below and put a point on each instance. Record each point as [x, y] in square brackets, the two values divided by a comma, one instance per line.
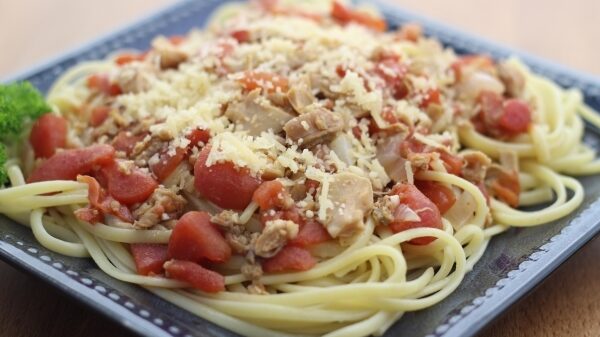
[567, 32]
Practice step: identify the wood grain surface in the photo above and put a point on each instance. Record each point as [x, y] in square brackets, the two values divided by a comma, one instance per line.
[568, 32]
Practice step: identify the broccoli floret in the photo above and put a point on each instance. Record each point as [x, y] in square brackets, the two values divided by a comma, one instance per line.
[20, 103]
[3, 173]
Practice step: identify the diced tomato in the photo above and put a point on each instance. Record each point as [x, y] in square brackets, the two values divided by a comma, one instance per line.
[340, 71]
[506, 187]
[346, 15]
[125, 141]
[48, 133]
[89, 215]
[101, 83]
[311, 186]
[481, 62]
[432, 97]
[130, 187]
[68, 164]
[311, 233]
[272, 6]
[223, 183]
[391, 68]
[241, 35]
[491, 108]
[195, 275]
[427, 211]
[268, 5]
[452, 163]
[101, 204]
[388, 115]
[176, 39]
[409, 32]
[394, 73]
[270, 194]
[197, 137]
[516, 117]
[126, 58]
[194, 238]
[411, 145]
[266, 81]
[167, 163]
[442, 196]
[292, 214]
[289, 259]
[99, 115]
[149, 258]
[500, 118]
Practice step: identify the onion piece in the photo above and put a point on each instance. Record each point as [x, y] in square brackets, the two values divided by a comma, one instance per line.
[404, 213]
[478, 81]
[462, 211]
[342, 146]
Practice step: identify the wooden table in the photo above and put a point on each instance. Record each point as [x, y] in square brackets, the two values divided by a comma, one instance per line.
[567, 304]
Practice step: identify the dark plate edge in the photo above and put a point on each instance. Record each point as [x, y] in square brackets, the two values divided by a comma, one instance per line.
[20, 260]
[472, 318]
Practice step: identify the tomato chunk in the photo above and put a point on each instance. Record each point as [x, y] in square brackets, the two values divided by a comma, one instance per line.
[506, 187]
[130, 187]
[101, 83]
[346, 15]
[167, 163]
[292, 214]
[393, 72]
[99, 115]
[176, 40]
[126, 58]
[125, 141]
[269, 194]
[432, 96]
[409, 32]
[48, 133]
[241, 35]
[442, 196]
[101, 204]
[198, 137]
[194, 238]
[197, 276]
[452, 163]
[311, 233]
[289, 259]
[68, 164]
[223, 183]
[265, 81]
[516, 117]
[500, 118]
[427, 211]
[149, 258]
[468, 63]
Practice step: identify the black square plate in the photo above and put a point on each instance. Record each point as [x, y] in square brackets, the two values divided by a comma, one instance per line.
[514, 263]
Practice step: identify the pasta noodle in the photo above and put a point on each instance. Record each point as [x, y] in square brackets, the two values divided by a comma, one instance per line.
[364, 281]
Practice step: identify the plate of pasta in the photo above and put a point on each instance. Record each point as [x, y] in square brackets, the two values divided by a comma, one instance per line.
[297, 168]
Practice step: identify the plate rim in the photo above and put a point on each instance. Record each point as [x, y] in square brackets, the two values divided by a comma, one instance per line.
[502, 295]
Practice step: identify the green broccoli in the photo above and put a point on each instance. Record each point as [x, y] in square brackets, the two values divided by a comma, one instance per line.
[3, 173]
[20, 103]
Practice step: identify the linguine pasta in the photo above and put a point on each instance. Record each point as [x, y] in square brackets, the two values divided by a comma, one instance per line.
[405, 158]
